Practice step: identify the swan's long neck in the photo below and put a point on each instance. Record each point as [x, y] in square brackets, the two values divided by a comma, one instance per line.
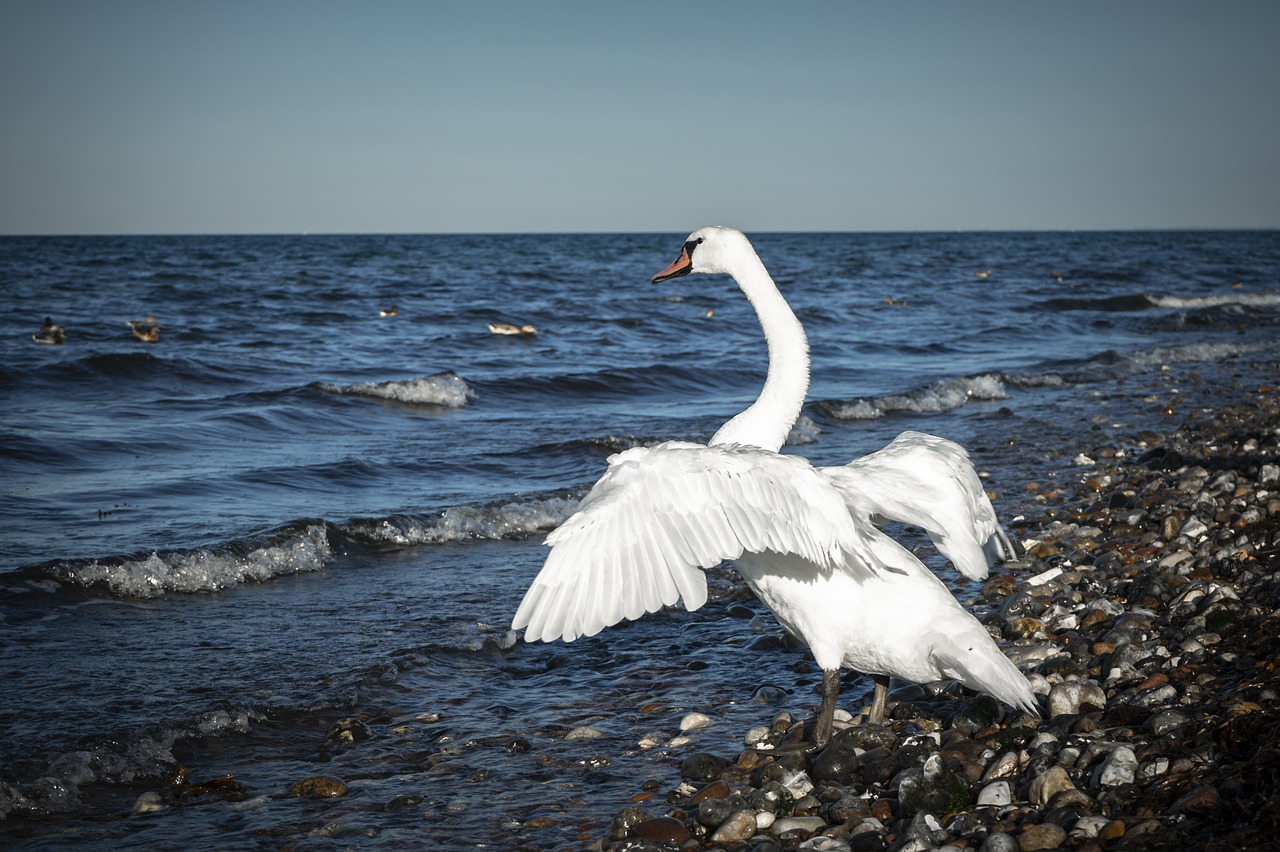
[768, 421]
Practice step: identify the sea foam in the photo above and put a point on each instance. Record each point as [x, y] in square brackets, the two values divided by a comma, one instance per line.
[203, 570]
[938, 397]
[462, 523]
[445, 389]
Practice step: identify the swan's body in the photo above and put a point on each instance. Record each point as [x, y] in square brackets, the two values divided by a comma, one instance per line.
[803, 540]
[510, 328]
[50, 333]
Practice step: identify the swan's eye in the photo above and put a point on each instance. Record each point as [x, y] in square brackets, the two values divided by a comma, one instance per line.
[691, 245]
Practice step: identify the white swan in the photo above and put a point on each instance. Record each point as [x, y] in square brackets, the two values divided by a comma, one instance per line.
[808, 549]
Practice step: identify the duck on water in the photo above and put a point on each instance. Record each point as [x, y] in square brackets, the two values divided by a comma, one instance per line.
[804, 538]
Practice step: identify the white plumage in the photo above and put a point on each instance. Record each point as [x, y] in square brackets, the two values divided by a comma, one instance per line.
[804, 538]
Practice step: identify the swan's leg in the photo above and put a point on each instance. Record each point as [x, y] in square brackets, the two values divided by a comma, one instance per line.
[827, 713]
[878, 700]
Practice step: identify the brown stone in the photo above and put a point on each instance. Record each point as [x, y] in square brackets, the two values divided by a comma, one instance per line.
[1043, 836]
[662, 830]
[1155, 680]
[1112, 830]
[1048, 783]
[1200, 800]
[319, 787]
[714, 790]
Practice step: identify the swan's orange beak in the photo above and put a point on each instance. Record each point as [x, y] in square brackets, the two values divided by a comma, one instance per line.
[682, 265]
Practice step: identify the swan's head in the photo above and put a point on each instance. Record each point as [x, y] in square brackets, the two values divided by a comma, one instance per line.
[713, 249]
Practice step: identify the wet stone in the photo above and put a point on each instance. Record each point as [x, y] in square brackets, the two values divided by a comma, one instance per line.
[736, 828]
[626, 819]
[661, 830]
[703, 767]
[319, 787]
[347, 732]
[838, 763]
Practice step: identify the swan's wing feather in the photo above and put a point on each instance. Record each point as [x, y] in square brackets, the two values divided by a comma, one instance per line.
[660, 514]
[929, 482]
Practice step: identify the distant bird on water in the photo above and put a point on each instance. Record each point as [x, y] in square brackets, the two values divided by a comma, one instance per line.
[145, 330]
[511, 328]
[50, 333]
[389, 312]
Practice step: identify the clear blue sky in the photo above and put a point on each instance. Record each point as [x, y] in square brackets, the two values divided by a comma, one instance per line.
[249, 117]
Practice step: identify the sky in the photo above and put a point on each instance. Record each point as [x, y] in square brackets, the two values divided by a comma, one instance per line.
[444, 117]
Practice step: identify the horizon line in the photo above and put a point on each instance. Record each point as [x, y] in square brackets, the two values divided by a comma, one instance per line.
[514, 233]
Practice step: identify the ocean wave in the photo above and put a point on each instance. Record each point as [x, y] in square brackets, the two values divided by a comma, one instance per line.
[939, 397]
[626, 382]
[446, 389]
[1251, 300]
[805, 431]
[1111, 364]
[293, 549]
[1107, 304]
[512, 519]
[116, 760]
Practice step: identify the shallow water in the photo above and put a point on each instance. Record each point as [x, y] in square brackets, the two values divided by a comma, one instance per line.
[292, 510]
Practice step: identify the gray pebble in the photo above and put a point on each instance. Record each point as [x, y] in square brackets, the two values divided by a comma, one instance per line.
[1117, 769]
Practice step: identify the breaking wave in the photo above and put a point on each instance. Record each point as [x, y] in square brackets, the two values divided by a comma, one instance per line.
[446, 389]
[938, 397]
[300, 547]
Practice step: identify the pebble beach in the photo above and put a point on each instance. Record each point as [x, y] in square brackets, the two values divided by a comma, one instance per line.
[1145, 610]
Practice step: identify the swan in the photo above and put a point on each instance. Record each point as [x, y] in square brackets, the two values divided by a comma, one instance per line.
[50, 333]
[808, 549]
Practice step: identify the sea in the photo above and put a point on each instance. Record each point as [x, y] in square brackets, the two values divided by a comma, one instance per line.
[287, 539]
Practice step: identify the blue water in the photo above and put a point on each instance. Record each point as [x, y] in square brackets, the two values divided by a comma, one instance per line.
[292, 510]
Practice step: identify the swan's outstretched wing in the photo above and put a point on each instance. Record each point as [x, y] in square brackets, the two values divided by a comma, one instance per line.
[928, 482]
[659, 514]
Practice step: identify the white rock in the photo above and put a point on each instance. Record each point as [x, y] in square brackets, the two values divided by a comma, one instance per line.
[650, 740]
[1044, 577]
[1194, 528]
[695, 722]
[1117, 769]
[798, 784]
[1089, 826]
[997, 793]
[804, 823]
[584, 732]
[149, 802]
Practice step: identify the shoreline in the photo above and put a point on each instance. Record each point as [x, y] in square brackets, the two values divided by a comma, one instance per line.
[1145, 611]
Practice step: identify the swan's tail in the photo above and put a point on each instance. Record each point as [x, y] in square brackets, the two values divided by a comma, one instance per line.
[980, 665]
